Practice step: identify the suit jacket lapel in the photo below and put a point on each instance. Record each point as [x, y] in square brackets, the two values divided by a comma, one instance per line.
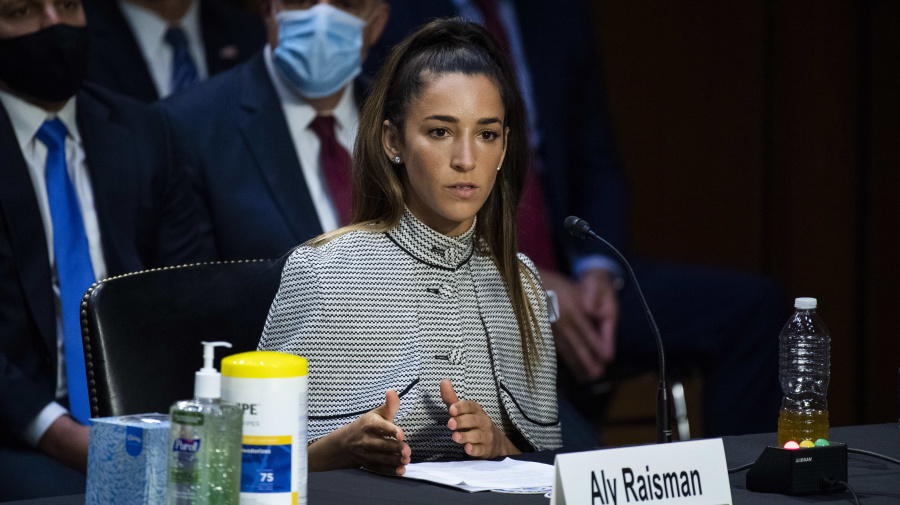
[111, 157]
[269, 140]
[26, 233]
[121, 59]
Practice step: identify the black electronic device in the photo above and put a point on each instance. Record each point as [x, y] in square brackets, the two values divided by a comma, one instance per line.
[801, 471]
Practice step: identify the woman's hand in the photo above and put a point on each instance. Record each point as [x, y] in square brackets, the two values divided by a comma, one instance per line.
[472, 426]
[372, 441]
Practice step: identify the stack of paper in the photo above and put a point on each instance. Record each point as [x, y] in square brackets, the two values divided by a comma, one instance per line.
[507, 476]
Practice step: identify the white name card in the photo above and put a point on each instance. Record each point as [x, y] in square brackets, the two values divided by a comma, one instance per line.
[683, 473]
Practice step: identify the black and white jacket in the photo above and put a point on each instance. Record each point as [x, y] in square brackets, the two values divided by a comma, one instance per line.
[401, 310]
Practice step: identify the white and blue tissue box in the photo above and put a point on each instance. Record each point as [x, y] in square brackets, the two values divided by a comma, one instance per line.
[127, 460]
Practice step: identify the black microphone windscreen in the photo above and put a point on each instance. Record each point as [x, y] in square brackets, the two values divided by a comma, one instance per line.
[577, 227]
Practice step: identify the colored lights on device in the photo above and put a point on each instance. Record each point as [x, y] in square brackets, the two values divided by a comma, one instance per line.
[792, 445]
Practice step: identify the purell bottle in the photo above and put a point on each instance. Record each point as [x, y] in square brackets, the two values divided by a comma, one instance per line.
[205, 442]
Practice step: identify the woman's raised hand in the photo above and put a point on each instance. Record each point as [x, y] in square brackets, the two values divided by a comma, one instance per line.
[472, 427]
[372, 441]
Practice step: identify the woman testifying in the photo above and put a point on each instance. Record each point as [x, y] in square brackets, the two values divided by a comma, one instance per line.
[426, 333]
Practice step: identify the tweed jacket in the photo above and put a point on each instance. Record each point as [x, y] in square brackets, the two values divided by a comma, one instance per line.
[370, 310]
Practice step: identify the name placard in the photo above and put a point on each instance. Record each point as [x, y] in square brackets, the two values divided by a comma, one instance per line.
[683, 473]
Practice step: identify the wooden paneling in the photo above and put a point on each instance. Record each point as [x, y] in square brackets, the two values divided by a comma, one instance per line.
[685, 81]
[880, 349]
[763, 135]
[815, 165]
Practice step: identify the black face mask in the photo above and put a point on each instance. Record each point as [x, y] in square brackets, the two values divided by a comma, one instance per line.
[48, 64]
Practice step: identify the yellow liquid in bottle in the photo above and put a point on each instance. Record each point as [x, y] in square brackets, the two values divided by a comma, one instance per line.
[797, 426]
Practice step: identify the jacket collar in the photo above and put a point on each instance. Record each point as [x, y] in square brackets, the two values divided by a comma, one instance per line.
[265, 130]
[431, 247]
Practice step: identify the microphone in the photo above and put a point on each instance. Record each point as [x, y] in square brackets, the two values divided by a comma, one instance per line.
[579, 228]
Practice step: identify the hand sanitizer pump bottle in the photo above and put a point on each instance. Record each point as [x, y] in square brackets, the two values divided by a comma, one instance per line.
[205, 442]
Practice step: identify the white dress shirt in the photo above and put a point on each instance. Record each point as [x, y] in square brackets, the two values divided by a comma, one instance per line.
[26, 120]
[299, 115]
[150, 31]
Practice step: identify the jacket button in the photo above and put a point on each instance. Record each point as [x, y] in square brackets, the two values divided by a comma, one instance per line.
[450, 255]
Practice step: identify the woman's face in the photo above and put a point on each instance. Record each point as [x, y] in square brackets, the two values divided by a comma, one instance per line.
[452, 144]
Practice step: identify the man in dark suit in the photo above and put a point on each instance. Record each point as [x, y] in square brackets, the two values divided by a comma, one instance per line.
[250, 141]
[88, 189]
[724, 323]
[133, 53]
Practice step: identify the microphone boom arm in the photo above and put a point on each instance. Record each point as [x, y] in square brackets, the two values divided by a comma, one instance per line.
[579, 228]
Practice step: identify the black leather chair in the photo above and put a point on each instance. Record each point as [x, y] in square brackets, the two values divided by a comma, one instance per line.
[142, 331]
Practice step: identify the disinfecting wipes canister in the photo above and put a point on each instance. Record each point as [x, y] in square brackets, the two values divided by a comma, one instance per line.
[271, 387]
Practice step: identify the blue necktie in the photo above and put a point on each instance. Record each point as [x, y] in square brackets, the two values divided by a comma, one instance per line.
[73, 261]
[184, 72]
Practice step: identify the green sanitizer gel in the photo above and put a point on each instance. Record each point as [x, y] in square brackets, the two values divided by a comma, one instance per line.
[205, 442]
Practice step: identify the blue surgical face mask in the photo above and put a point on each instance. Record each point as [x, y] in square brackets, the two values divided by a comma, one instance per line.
[318, 49]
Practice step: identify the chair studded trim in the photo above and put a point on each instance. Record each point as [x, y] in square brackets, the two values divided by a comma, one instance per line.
[95, 363]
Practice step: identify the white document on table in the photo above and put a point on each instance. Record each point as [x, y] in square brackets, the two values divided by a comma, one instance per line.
[508, 476]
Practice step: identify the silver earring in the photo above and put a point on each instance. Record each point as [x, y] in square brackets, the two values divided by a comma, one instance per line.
[397, 159]
[498, 169]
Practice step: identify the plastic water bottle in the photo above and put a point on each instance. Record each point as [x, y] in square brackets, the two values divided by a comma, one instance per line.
[804, 371]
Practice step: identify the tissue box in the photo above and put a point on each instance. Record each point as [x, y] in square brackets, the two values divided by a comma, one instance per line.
[127, 460]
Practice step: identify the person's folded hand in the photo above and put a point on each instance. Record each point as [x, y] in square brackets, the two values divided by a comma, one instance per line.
[67, 441]
[585, 331]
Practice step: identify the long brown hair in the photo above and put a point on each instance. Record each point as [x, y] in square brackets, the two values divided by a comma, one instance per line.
[440, 47]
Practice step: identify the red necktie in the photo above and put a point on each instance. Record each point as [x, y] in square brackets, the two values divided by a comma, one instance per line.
[535, 239]
[335, 163]
[493, 23]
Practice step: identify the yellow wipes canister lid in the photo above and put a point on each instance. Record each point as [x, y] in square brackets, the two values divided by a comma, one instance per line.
[264, 365]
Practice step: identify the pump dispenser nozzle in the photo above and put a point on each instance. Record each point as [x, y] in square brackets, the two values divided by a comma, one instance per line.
[208, 380]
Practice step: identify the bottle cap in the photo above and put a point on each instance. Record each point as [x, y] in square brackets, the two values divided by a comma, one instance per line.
[208, 380]
[805, 303]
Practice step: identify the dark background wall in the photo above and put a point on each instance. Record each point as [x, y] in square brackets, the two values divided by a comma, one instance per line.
[763, 135]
